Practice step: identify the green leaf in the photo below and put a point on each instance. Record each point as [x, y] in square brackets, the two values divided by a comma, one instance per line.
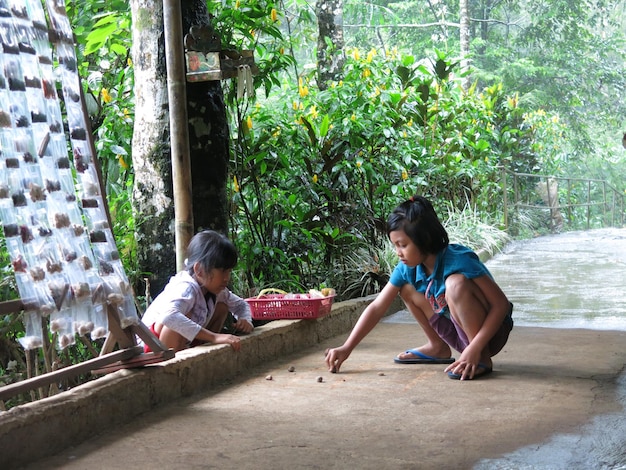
[324, 126]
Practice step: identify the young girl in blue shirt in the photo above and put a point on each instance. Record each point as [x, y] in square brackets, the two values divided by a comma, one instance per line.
[448, 290]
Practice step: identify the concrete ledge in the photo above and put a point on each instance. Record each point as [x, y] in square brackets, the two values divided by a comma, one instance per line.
[36, 430]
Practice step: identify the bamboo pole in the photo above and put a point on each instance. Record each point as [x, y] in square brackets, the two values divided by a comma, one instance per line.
[179, 133]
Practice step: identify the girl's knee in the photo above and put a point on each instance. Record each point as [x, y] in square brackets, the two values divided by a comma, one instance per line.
[410, 296]
[457, 285]
[406, 291]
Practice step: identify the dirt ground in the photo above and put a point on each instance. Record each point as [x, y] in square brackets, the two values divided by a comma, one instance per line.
[375, 414]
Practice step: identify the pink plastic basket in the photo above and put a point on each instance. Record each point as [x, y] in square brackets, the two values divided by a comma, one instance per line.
[277, 307]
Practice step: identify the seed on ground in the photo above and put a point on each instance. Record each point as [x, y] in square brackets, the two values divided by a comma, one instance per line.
[292, 369]
[320, 379]
[269, 377]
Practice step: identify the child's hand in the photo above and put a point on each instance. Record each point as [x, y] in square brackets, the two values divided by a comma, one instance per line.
[243, 326]
[466, 365]
[232, 340]
[334, 358]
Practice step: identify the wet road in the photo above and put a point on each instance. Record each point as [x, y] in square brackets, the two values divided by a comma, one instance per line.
[571, 280]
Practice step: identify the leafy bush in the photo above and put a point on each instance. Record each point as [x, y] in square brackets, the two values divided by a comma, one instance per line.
[316, 175]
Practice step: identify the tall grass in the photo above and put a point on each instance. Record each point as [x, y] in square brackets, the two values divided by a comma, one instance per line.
[468, 228]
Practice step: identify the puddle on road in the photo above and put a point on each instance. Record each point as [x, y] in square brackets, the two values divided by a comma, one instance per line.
[570, 280]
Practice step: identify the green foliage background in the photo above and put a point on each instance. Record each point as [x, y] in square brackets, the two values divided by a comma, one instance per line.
[314, 173]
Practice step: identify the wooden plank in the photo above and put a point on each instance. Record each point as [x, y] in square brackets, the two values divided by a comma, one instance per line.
[11, 390]
[146, 335]
[137, 361]
[124, 337]
[11, 306]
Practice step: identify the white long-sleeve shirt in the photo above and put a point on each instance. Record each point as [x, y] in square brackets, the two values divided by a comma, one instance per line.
[183, 307]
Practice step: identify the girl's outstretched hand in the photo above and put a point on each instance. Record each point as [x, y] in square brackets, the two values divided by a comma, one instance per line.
[232, 340]
[335, 357]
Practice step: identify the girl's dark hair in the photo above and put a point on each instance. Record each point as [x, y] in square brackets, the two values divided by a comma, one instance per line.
[212, 250]
[418, 219]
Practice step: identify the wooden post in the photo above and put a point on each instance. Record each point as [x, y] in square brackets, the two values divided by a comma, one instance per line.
[179, 132]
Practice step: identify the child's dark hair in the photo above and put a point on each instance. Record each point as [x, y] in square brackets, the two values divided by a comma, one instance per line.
[418, 219]
[212, 250]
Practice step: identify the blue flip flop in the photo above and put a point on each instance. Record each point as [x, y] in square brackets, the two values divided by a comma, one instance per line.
[486, 370]
[422, 359]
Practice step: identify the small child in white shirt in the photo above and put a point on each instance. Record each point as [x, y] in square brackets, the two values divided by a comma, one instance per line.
[195, 303]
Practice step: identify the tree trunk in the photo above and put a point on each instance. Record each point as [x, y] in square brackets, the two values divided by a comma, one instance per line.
[152, 192]
[208, 138]
[330, 59]
[465, 42]
[208, 142]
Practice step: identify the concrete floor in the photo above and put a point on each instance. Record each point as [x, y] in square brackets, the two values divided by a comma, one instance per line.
[376, 414]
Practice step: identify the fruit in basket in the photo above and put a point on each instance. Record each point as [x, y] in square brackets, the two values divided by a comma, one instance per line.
[321, 294]
[315, 294]
[327, 291]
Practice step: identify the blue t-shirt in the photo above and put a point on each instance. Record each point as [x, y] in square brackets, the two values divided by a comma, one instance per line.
[452, 259]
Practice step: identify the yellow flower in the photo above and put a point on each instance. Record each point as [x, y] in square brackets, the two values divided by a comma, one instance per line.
[410, 123]
[356, 54]
[123, 164]
[314, 179]
[370, 55]
[281, 51]
[302, 89]
[126, 113]
[366, 73]
[237, 3]
[129, 62]
[294, 105]
[235, 184]
[359, 163]
[106, 97]
[313, 112]
[353, 117]
[273, 15]
[405, 175]
[249, 122]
